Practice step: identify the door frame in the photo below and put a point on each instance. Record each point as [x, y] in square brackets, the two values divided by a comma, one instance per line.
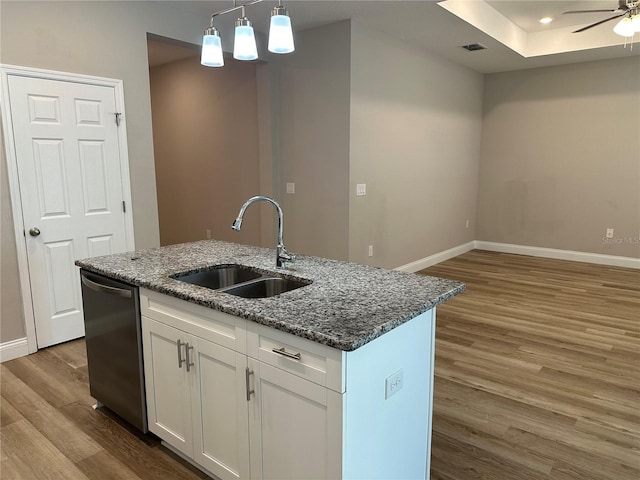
[14, 184]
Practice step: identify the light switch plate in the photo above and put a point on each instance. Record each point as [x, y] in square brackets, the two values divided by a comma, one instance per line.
[361, 189]
[291, 187]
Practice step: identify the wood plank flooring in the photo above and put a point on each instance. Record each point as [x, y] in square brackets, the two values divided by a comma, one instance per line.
[537, 371]
[49, 429]
[537, 377]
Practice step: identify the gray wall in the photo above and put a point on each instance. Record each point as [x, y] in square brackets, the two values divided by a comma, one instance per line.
[560, 157]
[314, 141]
[205, 135]
[106, 39]
[11, 324]
[415, 137]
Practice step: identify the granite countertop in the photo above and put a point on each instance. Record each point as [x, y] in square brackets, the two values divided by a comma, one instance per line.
[345, 307]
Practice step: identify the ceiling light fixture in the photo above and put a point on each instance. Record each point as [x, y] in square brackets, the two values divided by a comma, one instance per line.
[211, 48]
[545, 20]
[244, 45]
[280, 34]
[630, 24]
[624, 27]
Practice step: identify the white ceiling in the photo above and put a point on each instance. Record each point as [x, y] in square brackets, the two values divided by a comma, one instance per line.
[509, 29]
[526, 14]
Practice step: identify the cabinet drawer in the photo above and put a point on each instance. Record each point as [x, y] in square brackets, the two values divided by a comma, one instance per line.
[217, 327]
[299, 356]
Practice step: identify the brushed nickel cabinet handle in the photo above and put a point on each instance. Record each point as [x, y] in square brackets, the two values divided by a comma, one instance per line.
[247, 374]
[180, 359]
[284, 353]
[189, 362]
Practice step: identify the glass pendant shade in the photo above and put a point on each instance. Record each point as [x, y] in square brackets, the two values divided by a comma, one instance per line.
[635, 22]
[211, 49]
[624, 27]
[280, 33]
[244, 45]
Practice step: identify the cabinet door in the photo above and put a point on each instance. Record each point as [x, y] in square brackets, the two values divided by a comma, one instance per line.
[219, 406]
[295, 427]
[167, 384]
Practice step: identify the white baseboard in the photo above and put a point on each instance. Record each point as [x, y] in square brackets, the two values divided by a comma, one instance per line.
[613, 260]
[586, 257]
[13, 349]
[436, 258]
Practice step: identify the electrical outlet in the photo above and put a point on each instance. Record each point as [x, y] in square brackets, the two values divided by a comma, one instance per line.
[361, 189]
[371, 250]
[291, 187]
[467, 224]
[609, 232]
[393, 384]
[208, 234]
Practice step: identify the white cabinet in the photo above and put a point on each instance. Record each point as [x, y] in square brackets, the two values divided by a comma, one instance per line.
[196, 393]
[295, 415]
[246, 401]
[295, 426]
[167, 384]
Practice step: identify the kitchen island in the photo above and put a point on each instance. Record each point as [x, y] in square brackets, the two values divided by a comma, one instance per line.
[330, 380]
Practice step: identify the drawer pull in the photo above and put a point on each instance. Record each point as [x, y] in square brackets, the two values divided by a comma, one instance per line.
[284, 353]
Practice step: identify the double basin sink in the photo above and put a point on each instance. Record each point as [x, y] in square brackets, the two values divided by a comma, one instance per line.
[242, 281]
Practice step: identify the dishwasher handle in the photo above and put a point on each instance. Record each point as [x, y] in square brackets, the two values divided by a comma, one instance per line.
[98, 287]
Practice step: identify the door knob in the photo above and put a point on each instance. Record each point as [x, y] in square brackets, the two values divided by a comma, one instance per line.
[34, 231]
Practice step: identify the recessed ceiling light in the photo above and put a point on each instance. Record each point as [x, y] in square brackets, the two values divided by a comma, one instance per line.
[545, 20]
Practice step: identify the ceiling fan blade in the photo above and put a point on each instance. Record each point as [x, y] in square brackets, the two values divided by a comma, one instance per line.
[600, 22]
[590, 11]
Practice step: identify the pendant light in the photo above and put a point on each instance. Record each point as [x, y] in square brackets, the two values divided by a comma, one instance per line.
[244, 45]
[211, 48]
[280, 33]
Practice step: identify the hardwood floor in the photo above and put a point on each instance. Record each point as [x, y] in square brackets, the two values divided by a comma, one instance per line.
[537, 371]
[49, 429]
[537, 377]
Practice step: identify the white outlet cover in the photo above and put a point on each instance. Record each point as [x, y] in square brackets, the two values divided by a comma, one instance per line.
[393, 384]
[291, 187]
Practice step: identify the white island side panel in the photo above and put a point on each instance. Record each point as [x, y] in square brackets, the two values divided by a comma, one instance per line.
[390, 437]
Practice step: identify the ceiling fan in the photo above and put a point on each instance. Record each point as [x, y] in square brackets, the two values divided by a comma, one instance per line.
[626, 8]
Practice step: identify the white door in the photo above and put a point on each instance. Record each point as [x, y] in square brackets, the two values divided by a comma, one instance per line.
[71, 189]
[168, 384]
[219, 406]
[295, 427]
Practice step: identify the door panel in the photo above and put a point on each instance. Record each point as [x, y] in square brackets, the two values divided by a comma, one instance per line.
[95, 184]
[68, 167]
[100, 245]
[221, 430]
[292, 423]
[167, 386]
[52, 188]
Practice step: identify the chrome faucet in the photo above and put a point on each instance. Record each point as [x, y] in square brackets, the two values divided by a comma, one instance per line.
[282, 254]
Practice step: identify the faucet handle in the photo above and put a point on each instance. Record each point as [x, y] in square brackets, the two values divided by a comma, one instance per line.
[284, 256]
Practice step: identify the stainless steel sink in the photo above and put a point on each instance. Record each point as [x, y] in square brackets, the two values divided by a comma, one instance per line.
[219, 277]
[241, 281]
[265, 287]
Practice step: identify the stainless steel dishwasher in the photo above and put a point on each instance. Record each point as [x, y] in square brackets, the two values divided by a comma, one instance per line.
[114, 346]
